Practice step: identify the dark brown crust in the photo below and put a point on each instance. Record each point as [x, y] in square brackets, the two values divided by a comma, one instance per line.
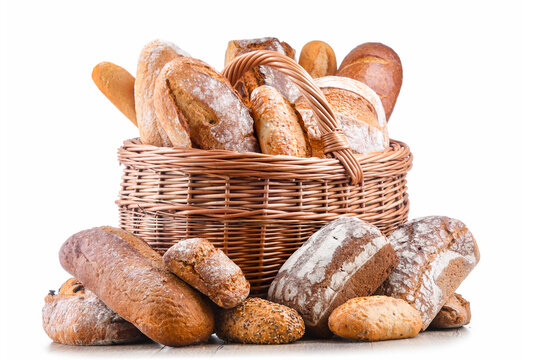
[76, 317]
[454, 313]
[379, 67]
[130, 277]
[258, 321]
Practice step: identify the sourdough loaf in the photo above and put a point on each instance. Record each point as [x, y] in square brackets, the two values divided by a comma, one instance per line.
[346, 258]
[130, 277]
[435, 254]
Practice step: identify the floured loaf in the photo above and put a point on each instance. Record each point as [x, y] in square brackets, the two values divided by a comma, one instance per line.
[347, 258]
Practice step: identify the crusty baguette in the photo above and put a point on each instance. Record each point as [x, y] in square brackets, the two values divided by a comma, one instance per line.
[277, 124]
[318, 58]
[204, 103]
[152, 59]
[130, 277]
[117, 85]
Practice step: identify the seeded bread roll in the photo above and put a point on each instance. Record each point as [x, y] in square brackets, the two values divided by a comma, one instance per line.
[318, 58]
[76, 316]
[358, 110]
[209, 270]
[379, 67]
[277, 124]
[206, 103]
[453, 314]
[346, 258]
[130, 277]
[118, 86]
[436, 254]
[152, 59]
[258, 321]
[262, 75]
[375, 318]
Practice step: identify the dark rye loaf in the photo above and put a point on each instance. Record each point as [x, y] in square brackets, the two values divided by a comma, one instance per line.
[347, 258]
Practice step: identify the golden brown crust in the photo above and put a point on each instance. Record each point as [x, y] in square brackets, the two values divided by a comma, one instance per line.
[117, 85]
[209, 270]
[318, 58]
[152, 59]
[208, 106]
[277, 124]
[375, 318]
[258, 321]
[130, 277]
[454, 313]
[379, 67]
[76, 317]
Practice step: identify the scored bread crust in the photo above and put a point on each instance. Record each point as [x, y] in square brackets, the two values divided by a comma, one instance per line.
[152, 59]
[207, 104]
[209, 270]
[346, 258]
[359, 112]
[379, 67]
[453, 314]
[318, 59]
[277, 124]
[130, 277]
[436, 254]
[76, 316]
[262, 75]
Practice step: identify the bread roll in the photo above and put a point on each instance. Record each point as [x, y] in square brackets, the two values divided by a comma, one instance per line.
[318, 58]
[346, 258]
[76, 316]
[152, 59]
[118, 86]
[130, 277]
[358, 110]
[262, 75]
[436, 254]
[379, 67]
[209, 270]
[258, 321]
[207, 104]
[375, 318]
[277, 124]
[453, 314]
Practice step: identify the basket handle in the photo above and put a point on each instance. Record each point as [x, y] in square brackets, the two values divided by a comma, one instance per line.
[333, 138]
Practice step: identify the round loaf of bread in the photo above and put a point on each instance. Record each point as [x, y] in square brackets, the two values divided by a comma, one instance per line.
[318, 59]
[436, 253]
[277, 124]
[209, 270]
[379, 67]
[346, 258]
[76, 316]
[131, 278]
[358, 110]
[453, 314]
[207, 104]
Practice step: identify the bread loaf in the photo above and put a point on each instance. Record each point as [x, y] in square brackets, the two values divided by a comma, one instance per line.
[453, 314]
[118, 86]
[346, 258]
[277, 124]
[76, 316]
[318, 58]
[358, 110]
[436, 254]
[379, 67]
[209, 270]
[375, 318]
[130, 278]
[262, 75]
[258, 321]
[205, 103]
[152, 59]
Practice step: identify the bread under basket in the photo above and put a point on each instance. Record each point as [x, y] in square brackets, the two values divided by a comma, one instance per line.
[260, 208]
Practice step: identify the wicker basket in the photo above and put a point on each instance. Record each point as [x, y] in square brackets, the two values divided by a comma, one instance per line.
[260, 208]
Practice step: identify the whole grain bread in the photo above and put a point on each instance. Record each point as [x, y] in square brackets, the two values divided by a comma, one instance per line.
[453, 314]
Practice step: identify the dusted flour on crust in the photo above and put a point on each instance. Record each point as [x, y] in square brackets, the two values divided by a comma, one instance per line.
[436, 254]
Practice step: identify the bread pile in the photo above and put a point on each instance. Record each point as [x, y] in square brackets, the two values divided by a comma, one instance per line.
[347, 280]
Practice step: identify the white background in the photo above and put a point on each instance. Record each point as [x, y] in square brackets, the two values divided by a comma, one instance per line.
[463, 109]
